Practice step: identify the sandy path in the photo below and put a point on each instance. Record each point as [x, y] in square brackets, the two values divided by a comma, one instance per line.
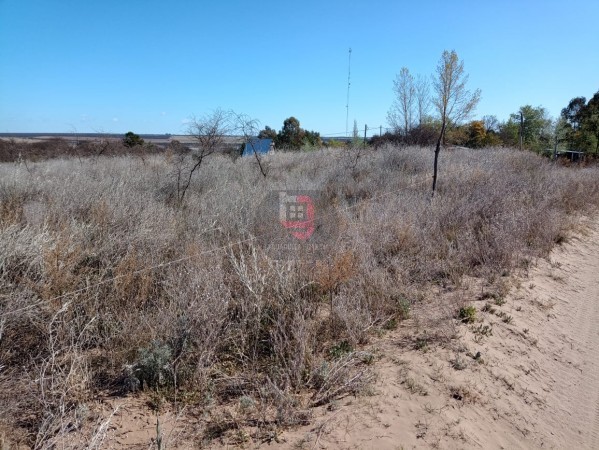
[537, 388]
[572, 340]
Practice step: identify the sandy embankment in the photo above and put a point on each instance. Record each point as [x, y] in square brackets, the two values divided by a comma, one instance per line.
[535, 384]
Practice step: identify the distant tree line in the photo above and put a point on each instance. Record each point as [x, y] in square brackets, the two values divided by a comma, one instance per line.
[577, 128]
[412, 123]
[131, 144]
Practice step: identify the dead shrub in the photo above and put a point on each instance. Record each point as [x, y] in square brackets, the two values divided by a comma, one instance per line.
[346, 375]
[11, 207]
[134, 286]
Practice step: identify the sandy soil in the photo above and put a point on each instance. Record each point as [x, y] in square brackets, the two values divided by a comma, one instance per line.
[532, 383]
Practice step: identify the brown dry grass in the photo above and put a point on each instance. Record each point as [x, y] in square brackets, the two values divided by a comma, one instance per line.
[226, 323]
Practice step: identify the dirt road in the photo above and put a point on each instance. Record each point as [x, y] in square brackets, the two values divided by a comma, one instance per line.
[571, 339]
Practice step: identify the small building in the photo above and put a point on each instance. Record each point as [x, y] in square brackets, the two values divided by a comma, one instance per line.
[571, 155]
[257, 145]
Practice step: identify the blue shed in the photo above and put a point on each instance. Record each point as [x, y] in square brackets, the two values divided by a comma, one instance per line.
[260, 146]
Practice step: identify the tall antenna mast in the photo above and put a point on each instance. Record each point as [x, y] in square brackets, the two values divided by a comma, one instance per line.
[348, 85]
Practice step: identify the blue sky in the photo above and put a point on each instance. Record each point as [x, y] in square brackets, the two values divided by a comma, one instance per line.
[147, 66]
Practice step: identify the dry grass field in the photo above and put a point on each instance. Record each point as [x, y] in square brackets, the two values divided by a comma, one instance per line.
[110, 286]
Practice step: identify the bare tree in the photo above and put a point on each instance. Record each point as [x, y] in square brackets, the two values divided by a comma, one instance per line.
[249, 129]
[491, 123]
[453, 101]
[423, 101]
[401, 112]
[210, 133]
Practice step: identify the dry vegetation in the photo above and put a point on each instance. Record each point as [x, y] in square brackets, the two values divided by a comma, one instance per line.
[107, 285]
[19, 150]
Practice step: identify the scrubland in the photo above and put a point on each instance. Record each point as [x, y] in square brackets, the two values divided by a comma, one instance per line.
[111, 286]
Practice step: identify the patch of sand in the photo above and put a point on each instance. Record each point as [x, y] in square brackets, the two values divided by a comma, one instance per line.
[535, 384]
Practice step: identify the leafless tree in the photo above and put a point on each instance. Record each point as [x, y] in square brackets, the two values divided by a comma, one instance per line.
[491, 123]
[209, 133]
[249, 129]
[453, 101]
[100, 144]
[422, 97]
[402, 110]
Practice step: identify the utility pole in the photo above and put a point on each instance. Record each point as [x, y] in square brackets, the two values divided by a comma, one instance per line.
[348, 85]
[380, 130]
[521, 129]
[365, 130]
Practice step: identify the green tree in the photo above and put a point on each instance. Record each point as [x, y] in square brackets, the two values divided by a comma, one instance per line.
[312, 139]
[572, 113]
[268, 133]
[131, 140]
[508, 132]
[590, 123]
[560, 134]
[582, 124]
[536, 127]
[492, 130]
[477, 135]
[492, 139]
[291, 135]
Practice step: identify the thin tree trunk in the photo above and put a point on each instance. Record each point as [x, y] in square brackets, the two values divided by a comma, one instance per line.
[259, 162]
[437, 151]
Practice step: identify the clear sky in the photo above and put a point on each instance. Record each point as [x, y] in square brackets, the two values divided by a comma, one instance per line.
[147, 66]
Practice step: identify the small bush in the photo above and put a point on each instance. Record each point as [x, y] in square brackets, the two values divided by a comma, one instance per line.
[340, 349]
[505, 318]
[488, 308]
[403, 308]
[422, 343]
[467, 314]
[459, 363]
[483, 330]
[153, 366]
